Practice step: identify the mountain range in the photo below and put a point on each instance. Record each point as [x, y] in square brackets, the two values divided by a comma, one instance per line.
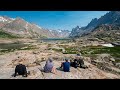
[22, 28]
[107, 25]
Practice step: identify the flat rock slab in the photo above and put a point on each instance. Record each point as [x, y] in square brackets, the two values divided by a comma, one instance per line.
[7, 68]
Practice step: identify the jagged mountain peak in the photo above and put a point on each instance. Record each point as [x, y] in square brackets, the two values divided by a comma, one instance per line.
[94, 19]
[115, 12]
[20, 19]
[112, 17]
[92, 24]
[77, 26]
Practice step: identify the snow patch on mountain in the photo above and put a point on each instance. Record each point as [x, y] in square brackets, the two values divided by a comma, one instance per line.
[12, 18]
[59, 31]
[2, 19]
[38, 26]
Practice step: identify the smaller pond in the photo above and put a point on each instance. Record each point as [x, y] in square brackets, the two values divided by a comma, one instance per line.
[54, 39]
[12, 45]
[107, 45]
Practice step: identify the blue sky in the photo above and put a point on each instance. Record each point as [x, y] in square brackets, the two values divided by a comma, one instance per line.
[65, 20]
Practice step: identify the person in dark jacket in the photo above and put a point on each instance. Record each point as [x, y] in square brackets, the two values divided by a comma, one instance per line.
[20, 70]
[75, 63]
[71, 63]
[66, 66]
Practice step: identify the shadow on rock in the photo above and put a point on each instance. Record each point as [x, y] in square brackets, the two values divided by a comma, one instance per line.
[60, 69]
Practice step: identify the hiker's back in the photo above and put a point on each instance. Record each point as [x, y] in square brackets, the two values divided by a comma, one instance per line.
[66, 66]
[75, 63]
[21, 70]
[48, 66]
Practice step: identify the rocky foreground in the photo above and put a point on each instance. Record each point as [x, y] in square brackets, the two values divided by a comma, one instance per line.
[35, 60]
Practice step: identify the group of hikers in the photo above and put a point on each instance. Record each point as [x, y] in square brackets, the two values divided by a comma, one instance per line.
[20, 69]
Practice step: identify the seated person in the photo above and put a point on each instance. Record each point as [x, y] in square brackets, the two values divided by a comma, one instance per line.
[71, 63]
[75, 63]
[20, 70]
[49, 67]
[66, 66]
[80, 61]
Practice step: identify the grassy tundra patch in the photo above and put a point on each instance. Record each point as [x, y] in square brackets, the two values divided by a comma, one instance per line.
[94, 50]
[11, 47]
[6, 35]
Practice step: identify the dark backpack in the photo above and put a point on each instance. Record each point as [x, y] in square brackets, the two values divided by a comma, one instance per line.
[21, 70]
[75, 63]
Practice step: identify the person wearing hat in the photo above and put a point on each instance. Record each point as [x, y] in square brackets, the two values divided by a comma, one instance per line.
[75, 62]
[79, 62]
